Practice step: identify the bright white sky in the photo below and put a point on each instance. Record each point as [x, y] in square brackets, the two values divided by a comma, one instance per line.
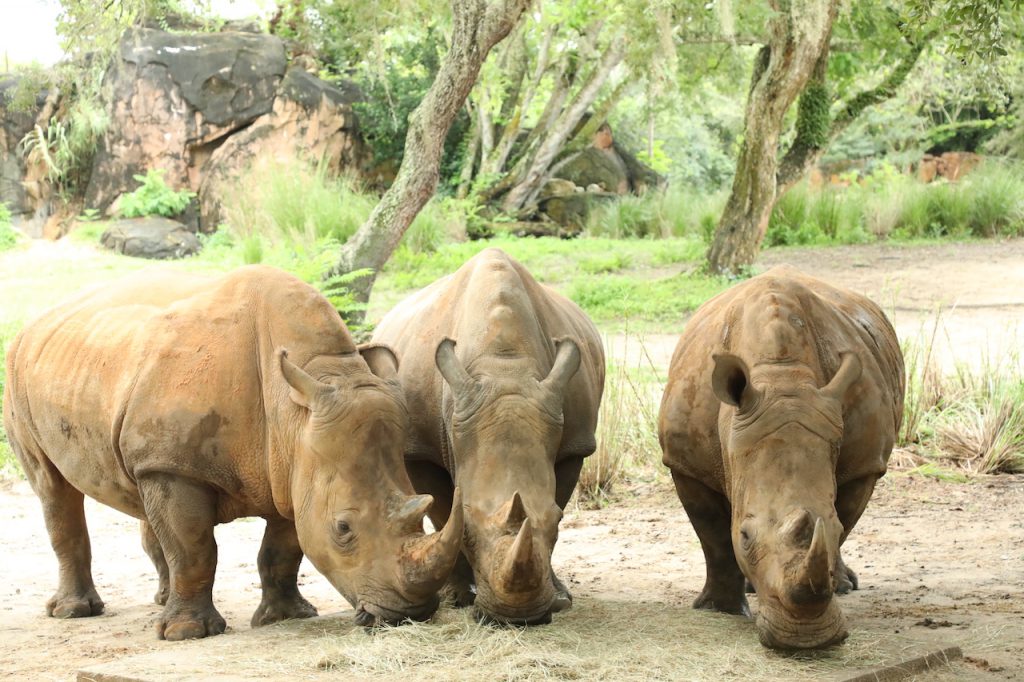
[27, 27]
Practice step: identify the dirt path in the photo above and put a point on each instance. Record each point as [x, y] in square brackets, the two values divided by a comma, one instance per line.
[976, 289]
[935, 560]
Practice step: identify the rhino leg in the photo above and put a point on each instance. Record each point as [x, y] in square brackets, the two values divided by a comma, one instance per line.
[567, 475]
[430, 479]
[278, 562]
[851, 501]
[64, 511]
[156, 554]
[710, 516]
[182, 513]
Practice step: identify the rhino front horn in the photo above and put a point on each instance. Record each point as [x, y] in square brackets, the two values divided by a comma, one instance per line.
[816, 574]
[521, 571]
[428, 561]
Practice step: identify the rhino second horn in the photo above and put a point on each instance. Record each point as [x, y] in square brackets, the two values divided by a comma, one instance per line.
[428, 561]
[514, 512]
[816, 573]
[520, 571]
[410, 516]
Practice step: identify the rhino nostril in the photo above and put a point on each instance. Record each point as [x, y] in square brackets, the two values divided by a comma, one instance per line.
[365, 618]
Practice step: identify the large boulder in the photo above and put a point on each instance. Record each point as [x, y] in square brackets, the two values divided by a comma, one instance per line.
[180, 99]
[153, 237]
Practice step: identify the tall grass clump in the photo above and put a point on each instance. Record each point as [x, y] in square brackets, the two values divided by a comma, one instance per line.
[805, 215]
[627, 428]
[971, 418]
[671, 212]
[294, 201]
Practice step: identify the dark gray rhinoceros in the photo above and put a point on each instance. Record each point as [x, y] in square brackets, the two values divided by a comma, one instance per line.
[169, 397]
[503, 378]
[784, 399]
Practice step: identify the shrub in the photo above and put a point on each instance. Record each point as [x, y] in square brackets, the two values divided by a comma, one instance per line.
[673, 212]
[154, 197]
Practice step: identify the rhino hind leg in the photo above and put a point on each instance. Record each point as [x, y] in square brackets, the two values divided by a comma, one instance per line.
[182, 513]
[151, 544]
[851, 501]
[64, 512]
[710, 517]
[278, 562]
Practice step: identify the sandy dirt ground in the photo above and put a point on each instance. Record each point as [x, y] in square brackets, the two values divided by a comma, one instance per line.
[942, 559]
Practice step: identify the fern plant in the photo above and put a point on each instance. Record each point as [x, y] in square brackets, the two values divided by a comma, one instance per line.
[154, 197]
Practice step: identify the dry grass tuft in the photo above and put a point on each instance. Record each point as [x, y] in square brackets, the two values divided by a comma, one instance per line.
[627, 428]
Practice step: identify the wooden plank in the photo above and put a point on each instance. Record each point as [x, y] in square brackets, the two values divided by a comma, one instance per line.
[909, 667]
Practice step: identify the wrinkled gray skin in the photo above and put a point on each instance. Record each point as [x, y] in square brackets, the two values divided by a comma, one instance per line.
[784, 399]
[169, 397]
[503, 377]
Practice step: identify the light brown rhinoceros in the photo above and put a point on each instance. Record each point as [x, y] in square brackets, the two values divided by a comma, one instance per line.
[169, 397]
[784, 399]
[507, 413]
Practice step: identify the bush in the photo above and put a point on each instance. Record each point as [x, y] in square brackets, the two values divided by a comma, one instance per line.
[673, 212]
[154, 197]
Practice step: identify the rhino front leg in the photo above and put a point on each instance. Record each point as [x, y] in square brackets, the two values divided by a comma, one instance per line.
[182, 513]
[567, 475]
[710, 515]
[430, 479]
[64, 511]
[851, 501]
[151, 544]
[278, 562]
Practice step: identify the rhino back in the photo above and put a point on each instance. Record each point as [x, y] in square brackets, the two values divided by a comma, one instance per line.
[822, 322]
[170, 372]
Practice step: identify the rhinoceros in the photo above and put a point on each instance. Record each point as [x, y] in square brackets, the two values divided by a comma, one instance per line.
[188, 401]
[503, 377]
[784, 398]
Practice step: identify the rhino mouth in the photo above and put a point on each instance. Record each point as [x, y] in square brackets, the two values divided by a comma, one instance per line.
[779, 630]
[371, 615]
[485, 617]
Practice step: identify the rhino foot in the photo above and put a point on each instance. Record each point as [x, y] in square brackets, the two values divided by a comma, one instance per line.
[459, 596]
[273, 611]
[846, 579]
[710, 602]
[563, 597]
[190, 625]
[75, 605]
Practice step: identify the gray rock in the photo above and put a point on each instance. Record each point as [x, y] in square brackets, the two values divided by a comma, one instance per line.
[152, 237]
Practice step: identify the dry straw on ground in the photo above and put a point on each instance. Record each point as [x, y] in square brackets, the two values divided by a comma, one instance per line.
[596, 640]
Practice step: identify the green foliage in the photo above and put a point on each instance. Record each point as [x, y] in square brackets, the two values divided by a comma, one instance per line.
[66, 146]
[988, 202]
[674, 212]
[813, 118]
[154, 197]
[620, 299]
[33, 81]
[8, 237]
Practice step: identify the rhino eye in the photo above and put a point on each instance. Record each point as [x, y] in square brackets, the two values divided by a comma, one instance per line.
[342, 528]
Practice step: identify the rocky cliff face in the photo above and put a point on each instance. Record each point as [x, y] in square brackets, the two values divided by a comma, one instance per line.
[201, 107]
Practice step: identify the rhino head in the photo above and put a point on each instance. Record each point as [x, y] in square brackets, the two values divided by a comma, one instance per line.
[355, 513]
[505, 430]
[780, 447]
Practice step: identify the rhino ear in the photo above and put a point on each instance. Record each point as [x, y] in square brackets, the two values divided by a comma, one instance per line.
[849, 371]
[381, 359]
[451, 367]
[565, 366]
[730, 380]
[305, 390]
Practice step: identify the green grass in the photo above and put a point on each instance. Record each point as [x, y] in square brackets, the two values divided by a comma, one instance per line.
[623, 300]
[988, 202]
[673, 212]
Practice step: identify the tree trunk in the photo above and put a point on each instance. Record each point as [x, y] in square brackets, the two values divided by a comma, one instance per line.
[799, 32]
[558, 134]
[477, 26]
